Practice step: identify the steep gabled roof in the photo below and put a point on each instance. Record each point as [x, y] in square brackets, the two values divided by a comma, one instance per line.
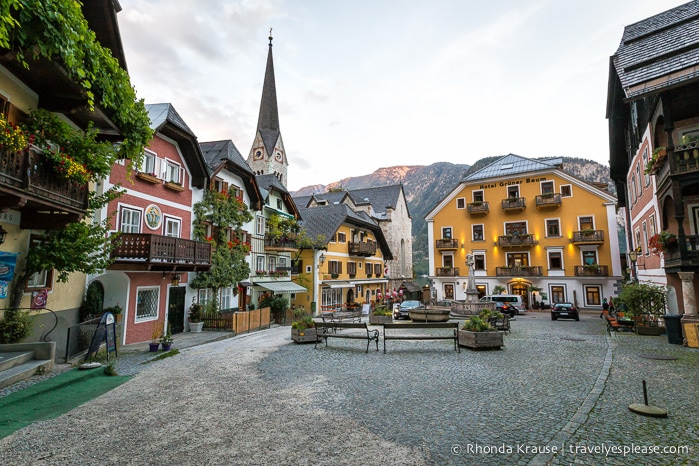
[165, 120]
[220, 155]
[659, 52]
[269, 182]
[380, 198]
[512, 164]
[326, 220]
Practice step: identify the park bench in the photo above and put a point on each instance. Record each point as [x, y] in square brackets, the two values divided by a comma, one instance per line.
[342, 316]
[614, 324]
[330, 330]
[407, 332]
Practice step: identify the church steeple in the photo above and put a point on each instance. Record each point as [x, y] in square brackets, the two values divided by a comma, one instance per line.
[267, 155]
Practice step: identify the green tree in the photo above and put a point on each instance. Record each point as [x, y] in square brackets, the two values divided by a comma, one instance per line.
[222, 212]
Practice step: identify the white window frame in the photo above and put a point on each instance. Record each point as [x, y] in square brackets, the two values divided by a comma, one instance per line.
[153, 314]
[260, 262]
[341, 237]
[473, 232]
[205, 295]
[131, 211]
[150, 163]
[460, 203]
[548, 261]
[447, 229]
[272, 263]
[226, 297]
[172, 171]
[546, 227]
[260, 225]
[569, 187]
[547, 183]
[478, 191]
[167, 222]
[39, 280]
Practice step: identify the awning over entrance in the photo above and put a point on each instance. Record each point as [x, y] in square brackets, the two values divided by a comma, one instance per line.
[339, 284]
[283, 287]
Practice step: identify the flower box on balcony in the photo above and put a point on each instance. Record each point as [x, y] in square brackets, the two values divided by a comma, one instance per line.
[148, 177]
[174, 186]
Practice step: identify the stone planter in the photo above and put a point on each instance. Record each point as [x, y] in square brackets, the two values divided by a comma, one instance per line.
[380, 320]
[481, 340]
[196, 327]
[430, 315]
[307, 335]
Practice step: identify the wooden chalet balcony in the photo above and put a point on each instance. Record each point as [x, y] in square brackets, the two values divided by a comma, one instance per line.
[682, 160]
[47, 200]
[521, 271]
[548, 200]
[678, 261]
[478, 208]
[143, 251]
[361, 248]
[450, 243]
[517, 241]
[591, 271]
[588, 237]
[514, 203]
[280, 243]
[447, 271]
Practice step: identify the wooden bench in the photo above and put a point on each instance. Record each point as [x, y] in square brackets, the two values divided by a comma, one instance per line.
[330, 330]
[614, 324]
[454, 335]
[341, 316]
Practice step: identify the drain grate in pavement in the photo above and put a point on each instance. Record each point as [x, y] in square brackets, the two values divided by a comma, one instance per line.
[574, 339]
[660, 357]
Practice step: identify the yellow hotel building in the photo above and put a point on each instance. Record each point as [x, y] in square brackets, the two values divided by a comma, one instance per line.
[532, 228]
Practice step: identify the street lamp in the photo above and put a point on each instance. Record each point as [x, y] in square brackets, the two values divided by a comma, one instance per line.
[633, 255]
[321, 260]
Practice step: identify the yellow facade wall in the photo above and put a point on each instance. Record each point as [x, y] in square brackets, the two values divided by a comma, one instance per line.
[581, 203]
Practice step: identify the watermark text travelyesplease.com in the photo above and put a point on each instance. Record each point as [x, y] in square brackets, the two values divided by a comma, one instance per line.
[606, 449]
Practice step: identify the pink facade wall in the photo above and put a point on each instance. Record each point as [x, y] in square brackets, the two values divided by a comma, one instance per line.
[643, 208]
[142, 194]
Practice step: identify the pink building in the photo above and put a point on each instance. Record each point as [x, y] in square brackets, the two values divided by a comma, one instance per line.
[154, 220]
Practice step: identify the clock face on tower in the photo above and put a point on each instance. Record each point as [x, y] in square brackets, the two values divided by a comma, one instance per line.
[278, 156]
[258, 154]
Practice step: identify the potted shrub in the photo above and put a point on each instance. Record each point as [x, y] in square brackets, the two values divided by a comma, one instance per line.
[155, 334]
[304, 330]
[381, 315]
[477, 333]
[195, 318]
[644, 302]
[662, 242]
[166, 340]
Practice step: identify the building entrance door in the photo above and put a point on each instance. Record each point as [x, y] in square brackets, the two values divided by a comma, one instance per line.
[175, 312]
[521, 288]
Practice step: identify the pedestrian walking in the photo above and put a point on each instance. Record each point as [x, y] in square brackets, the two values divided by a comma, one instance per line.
[605, 307]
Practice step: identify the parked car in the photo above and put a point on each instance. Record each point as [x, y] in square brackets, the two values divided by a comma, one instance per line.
[404, 308]
[513, 301]
[564, 311]
[505, 308]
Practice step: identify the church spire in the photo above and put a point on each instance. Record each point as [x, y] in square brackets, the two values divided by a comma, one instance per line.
[269, 114]
[267, 156]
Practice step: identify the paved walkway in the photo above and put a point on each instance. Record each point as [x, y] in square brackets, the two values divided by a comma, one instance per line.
[557, 394]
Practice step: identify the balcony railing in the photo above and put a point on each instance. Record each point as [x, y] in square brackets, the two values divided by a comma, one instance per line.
[280, 243]
[591, 271]
[143, 251]
[478, 207]
[29, 180]
[514, 203]
[549, 200]
[588, 237]
[517, 241]
[675, 259]
[450, 243]
[447, 271]
[362, 248]
[521, 271]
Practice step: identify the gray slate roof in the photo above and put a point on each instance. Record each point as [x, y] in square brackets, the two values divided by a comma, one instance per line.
[659, 52]
[380, 198]
[326, 220]
[512, 164]
[160, 114]
[216, 152]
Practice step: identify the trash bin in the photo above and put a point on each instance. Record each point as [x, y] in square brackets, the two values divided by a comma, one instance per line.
[673, 327]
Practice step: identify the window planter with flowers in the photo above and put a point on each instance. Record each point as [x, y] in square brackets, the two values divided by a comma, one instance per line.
[174, 186]
[662, 242]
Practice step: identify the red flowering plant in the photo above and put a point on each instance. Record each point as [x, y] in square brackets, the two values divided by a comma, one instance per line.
[662, 242]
